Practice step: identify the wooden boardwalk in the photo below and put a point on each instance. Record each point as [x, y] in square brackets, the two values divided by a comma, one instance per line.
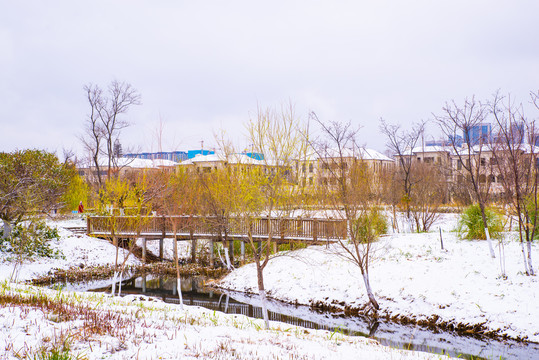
[281, 230]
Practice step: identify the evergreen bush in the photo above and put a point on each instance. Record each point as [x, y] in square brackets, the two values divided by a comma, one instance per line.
[470, 225]
[370, 225]
[31, 239]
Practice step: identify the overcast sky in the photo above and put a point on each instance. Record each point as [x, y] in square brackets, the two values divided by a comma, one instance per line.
[202, 66]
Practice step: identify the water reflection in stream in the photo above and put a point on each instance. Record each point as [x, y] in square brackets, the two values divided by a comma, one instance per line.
[194, 292]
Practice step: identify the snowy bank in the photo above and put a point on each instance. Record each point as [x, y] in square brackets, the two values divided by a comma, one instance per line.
[79, 250]
[412, 277]
[97, 326]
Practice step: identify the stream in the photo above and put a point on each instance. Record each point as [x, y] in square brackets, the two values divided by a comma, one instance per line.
[195, 293]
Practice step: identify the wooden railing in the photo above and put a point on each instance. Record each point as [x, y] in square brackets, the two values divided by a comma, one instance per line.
[309, 229]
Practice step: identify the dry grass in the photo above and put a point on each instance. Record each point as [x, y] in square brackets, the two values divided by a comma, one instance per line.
[77, 274]
[80, 325]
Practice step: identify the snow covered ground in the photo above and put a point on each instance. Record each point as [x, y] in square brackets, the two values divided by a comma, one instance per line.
[413, 276]
[78, 250]
[126, 328]
[134, 327]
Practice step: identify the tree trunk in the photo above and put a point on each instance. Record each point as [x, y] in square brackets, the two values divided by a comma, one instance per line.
[113, 290]
[15, 272]
[501, 249]
[370, 294]
[120, 284]
[179, 286]
[176, 262]
[530, 265]
[227, 259]
[263, 302]
[489, 241]
[262, 293]
[395, 220]
[524, 258]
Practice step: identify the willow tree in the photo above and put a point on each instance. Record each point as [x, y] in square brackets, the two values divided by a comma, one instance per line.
[120, 193]
[268, 190]
[176, 195]
[218, 190]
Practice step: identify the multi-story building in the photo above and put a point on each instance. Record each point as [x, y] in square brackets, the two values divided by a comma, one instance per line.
[176, 156]
[212, 162]
[323, 169]
[453, 162]
[124, 166]
[478, 134]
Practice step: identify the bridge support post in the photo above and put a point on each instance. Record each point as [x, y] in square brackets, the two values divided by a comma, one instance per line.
[231, 251]
[315, 230]
[275, 246]
[144, 253]
[175, 249]
[242, 252]
[212, 250]
[144, 282]
[193, 250]
[163, 234]
[193, 246]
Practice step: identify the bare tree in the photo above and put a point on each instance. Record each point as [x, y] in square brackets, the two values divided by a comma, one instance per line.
[391, 192]
[401, 143]
[93, 130]
[104, 123]
[428, 194]
[349, 195]
[516, 163]
[455, 120]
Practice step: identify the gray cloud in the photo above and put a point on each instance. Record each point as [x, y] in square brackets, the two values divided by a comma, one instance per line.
[201, 66]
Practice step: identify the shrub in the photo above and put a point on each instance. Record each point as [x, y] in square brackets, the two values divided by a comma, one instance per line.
[533, 216]
[31, 239]
[370, 225]
[471, 226]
